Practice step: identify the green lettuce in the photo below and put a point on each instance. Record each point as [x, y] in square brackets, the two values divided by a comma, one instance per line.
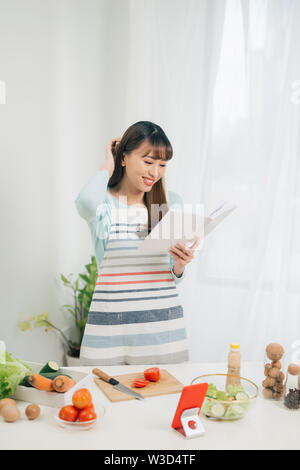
[11, 375]
[211, 391]
[234, 389]
[220, 395]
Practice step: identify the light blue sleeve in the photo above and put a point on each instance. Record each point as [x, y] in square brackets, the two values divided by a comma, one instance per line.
[175, 201]
[91, 206]
[92, 195]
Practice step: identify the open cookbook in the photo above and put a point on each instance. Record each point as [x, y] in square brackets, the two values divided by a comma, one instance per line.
[184, 226]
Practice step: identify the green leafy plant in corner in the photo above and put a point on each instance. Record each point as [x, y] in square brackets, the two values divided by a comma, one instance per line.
[82, 295]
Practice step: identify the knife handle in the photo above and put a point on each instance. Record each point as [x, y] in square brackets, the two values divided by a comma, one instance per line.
[102, 375]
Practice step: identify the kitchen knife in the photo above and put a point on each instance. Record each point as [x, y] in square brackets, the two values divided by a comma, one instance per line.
[115, 383]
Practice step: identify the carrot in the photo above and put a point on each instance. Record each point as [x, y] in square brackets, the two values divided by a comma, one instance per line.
[62, 383]
[40, 382]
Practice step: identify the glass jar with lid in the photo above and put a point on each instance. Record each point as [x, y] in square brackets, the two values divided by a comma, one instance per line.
[274, 376]
[291, 387]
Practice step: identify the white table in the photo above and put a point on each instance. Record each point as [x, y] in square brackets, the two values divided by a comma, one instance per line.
[146, 424]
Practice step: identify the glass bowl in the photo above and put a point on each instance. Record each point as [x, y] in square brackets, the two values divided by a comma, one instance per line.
[80, 425]
[225, 409]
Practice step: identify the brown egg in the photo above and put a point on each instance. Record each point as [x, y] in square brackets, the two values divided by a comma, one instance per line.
[274, 372]
[274, 351]
[5, 401]
[32, 411]
[10, 413]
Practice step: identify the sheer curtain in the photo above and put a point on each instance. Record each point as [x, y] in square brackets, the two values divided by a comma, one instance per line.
[248, 269]
[220, 76]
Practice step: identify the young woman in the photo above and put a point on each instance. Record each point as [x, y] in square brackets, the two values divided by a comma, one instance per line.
[135, 315]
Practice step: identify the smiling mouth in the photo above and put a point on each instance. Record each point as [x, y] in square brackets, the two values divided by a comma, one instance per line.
[148, 181]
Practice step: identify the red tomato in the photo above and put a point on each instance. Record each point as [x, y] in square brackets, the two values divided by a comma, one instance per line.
[87, 414]
[68, 413]
[152, 374]
[82, 398]
[139, 383]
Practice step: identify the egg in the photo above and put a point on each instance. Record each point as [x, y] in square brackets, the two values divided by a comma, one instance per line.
[32, 411]
[5, 401]
[10, 413]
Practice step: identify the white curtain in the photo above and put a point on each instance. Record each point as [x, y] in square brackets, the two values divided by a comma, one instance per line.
[220, 76]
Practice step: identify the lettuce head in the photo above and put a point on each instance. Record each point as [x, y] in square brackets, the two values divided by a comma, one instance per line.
[11, 375]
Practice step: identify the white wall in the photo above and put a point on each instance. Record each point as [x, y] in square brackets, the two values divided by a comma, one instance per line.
[63, 64]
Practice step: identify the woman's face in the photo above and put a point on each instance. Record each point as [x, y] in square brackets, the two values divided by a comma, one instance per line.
[141, 170]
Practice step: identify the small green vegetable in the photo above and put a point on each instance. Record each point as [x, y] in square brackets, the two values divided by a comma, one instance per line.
[53, 375]
[25, 382]
[51, 366]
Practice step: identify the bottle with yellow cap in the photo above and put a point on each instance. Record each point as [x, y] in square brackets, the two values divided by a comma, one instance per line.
[234, 365]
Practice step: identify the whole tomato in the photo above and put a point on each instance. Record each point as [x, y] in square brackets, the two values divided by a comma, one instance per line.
[68, 413]
[82, 398]
[87, 414]
[152, 374]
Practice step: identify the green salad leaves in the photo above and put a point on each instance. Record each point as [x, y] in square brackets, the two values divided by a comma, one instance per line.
[11, 375]
[234, 403]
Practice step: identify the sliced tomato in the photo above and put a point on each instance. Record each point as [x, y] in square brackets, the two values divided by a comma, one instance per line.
[152, 374]
[139, 383]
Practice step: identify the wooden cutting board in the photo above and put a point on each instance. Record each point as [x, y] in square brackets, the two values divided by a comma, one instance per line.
[166, 384]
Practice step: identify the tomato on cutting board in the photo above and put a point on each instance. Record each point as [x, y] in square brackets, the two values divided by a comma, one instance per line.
[152, 374]
[139, 383]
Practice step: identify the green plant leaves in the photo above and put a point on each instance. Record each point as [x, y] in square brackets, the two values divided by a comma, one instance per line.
[82, 300]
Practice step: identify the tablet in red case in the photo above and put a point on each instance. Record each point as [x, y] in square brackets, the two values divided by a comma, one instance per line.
[192, 396]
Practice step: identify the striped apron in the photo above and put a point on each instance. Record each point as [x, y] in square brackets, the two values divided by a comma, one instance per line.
[135, 315]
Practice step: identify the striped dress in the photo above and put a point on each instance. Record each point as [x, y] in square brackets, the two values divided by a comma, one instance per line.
[135, 315]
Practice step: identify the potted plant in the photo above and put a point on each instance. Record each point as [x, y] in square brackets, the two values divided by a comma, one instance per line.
[82, 300]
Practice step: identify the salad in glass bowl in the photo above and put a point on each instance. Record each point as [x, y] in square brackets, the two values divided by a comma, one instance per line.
[231, 404]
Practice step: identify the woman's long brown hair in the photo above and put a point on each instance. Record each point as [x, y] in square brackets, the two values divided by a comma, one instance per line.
[161, 148]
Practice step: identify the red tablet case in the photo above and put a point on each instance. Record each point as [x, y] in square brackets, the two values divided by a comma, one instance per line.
[192, 396]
